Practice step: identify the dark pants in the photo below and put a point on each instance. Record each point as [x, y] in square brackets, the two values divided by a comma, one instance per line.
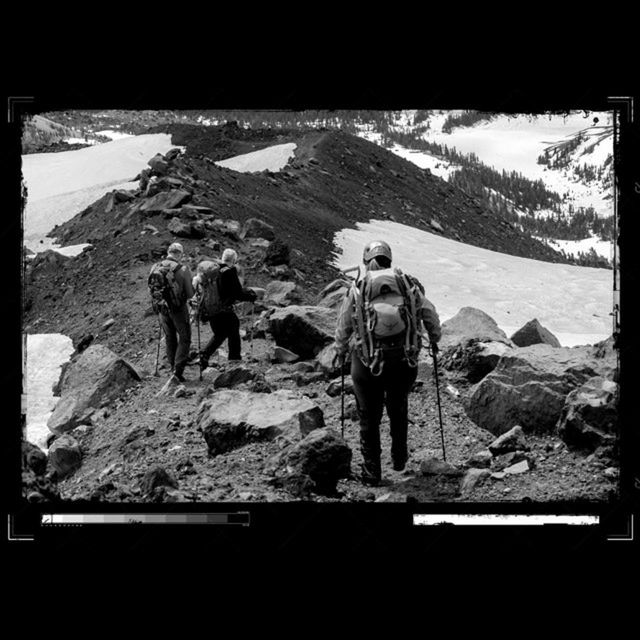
[177, 334]
[391, 389]
[224, 325]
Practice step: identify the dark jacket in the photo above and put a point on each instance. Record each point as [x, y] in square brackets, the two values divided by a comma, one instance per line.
[183, 278]
[230, 288]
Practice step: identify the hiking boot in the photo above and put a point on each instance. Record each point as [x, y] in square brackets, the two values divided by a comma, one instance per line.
[179, 376]
[204, 363]
[399, 464]
[369, 477]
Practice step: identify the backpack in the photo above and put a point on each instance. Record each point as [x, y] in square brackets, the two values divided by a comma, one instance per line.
[385, 317]
[166, 294]
[210, 301]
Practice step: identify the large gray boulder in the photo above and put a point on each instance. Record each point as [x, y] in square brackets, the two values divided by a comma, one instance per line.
[589, 417]
[282, 293]
[528, 387]
[231, 418]
[158, 164]
[323, 456]
[96, 377]
[255, 228]
[333, 294]
[234, 376]
[472, 344]
[65, 456]
[534, 333]
[305, 330]
[326, 359]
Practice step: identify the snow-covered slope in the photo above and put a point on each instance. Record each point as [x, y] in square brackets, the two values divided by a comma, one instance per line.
[272, 158]
[60, 185]
[572, 302]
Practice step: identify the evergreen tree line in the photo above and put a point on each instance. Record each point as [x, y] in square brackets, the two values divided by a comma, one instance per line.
[465, 119]
[587, 259]
[559, 156]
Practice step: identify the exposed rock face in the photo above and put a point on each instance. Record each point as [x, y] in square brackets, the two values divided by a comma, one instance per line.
[471, 324]
[165, 200]
[528, 387]
[96, 377]
[589, 417]
[534, 333]
[305, 330]
[229, 419]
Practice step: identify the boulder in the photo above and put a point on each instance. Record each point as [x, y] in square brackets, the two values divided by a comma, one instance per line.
[260, 243]
[121, 195]
[505, 460]
[282, 355]
[155, 478]
[436, 467]
[323, 456]
[480, 460]
[333, 294]
[229, 418]
[472, 478]
[518, 468]
[471, 324]
[282, 293]
[45, 262]
[529, 385]
[65, 456]
[93, 379]
[305, 330]
[589, 417]
[158, 165]
[169, 387]
[473, 360]
[255, 228]
[234, 376]
[534, 333]
[172, 154]
[277, 253]
[165, 200]
[33, 458]
[83, 342]
[186, 229]
[512, 440]
[335, 388]
[195, 211]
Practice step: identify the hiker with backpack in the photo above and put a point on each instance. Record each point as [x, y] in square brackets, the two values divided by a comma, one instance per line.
[381, 317]
[170, 287]
[217, 289]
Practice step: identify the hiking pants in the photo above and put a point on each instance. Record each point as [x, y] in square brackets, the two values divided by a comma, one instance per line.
[224, 324]
[177, 334]
[391, 389]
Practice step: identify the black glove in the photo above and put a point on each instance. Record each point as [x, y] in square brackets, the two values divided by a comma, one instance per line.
[434, 347]
[253, 296]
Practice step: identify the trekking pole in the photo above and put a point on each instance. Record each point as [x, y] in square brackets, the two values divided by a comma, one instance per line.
[342, 396]
[435, 369]
[158, 350]
[199, 350]
[251, 332]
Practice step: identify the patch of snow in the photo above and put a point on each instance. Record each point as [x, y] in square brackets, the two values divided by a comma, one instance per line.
[114, 135]
[272, 158]
[603, 248]
[45, 355]
[574, 303]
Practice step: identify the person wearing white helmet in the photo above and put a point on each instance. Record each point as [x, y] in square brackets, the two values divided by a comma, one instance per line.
[379, 323]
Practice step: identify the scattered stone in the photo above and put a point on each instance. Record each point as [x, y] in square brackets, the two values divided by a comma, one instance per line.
[433, 466]
[165, 200]
[512, 440]
[507, 459]
[520, 467]
[255, 228]
[534, 333]
[34, 458]
[169, 386]
[107, 324]
[282, 355]
[230, 418]
[480, 460]
[472, 478]
[303, 379]
[499, 475]
[326, 359]
[180, 392]
[392, 497]
[277, 253]
[158, 165]
[65, 456]
[93, 379]
[303, 367]
[282, 293]
[335, 387]
[157, 477]
[234, 376]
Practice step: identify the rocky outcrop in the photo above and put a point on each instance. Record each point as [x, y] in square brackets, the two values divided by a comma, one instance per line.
[305, 330]
[65, 456]
[528, 387]
[96, 377]
[229, 418]
[282, 293]
[255, 228]
[471, 324]
[165, 200]
[534, 333]
[589, 417]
